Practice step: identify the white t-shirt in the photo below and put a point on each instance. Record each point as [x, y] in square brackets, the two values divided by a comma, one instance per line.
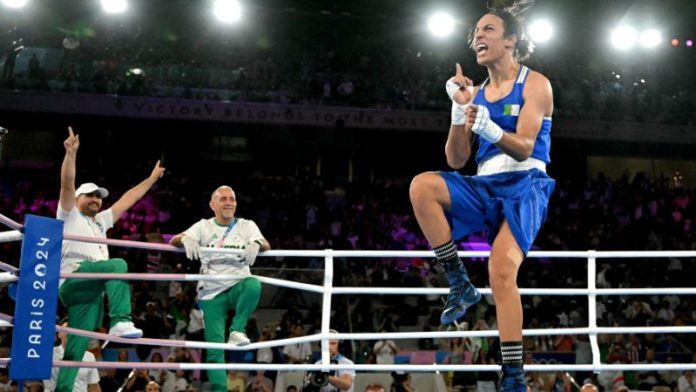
[298, 350]
[384, 355]
[341, 361]
[85, 376]
[195, 321]
[7, 387]
[76, 223]
[209, 234]
[169, 384]
[685, 385]
[180, 385]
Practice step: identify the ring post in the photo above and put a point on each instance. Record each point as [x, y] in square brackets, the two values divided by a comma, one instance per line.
[37, 298]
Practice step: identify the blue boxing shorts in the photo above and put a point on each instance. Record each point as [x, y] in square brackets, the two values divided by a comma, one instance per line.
[482, 202]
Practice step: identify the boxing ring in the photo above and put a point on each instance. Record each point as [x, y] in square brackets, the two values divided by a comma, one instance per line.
[12, 274]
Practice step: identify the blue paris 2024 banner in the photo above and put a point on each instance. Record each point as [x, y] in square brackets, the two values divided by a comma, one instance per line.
[37, 297]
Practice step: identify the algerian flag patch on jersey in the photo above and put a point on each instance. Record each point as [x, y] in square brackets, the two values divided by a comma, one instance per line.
[511, 110]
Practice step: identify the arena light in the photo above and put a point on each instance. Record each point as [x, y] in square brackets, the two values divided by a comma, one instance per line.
[227, 11]
[623, 37]
[15, 3]
[540, 30]
[114, 6]
[650, 38]
[441, 24]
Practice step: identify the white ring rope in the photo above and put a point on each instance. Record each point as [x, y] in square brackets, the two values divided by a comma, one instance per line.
[177, 343]
[378, 335]
[389, 368]
[8, 268]
[376, 253]
[10, 223]
[11, 236]
[361, 368]
[358, 290]
[327, 290]
[592, 310]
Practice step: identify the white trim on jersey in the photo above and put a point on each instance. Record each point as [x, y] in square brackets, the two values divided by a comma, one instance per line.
[523, 75]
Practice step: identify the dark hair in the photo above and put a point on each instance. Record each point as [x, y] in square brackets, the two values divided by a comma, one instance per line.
[513, 24]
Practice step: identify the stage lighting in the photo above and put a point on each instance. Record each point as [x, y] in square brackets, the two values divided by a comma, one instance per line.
[689, 43]
[650, 38]
[675, 42]
[14, 3]
[227, 11]
[540, 30]
[114, 6]
[623, 37]
[441, 24]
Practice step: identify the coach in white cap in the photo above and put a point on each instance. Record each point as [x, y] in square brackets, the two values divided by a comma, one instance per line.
[80, 209]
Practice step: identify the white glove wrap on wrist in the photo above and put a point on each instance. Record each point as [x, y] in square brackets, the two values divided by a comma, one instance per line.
[458, 114]
[248, 255]
[485, 127]
[451, 87]
[193, 250]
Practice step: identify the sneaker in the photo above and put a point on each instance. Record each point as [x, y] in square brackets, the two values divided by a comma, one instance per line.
[513, 379]
[462, 296]
[238, 339]
[126, 329]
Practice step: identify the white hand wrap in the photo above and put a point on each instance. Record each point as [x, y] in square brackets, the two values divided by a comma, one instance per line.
[485, 127]
[193, 250]
[458, 114]
[248, 255]
[451, 87]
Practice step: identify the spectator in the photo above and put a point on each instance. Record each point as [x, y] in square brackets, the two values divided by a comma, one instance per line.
[234, 382]
[686, 382]
[375, 387]
[137, 381]
[152, 387]
[297, 352]
[259, 383]
[385, 350]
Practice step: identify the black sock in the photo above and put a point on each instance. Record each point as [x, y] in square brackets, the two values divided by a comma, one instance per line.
[447, 255]
[511, 353]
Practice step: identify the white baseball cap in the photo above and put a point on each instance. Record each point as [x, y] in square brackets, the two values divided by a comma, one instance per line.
[90, 187]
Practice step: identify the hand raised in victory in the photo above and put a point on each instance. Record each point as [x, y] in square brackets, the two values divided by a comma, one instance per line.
[72, 143]
[158, 171]
[459, 88]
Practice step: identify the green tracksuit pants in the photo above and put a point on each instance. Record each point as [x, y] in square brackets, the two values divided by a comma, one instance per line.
[243, 298]
[84, 300]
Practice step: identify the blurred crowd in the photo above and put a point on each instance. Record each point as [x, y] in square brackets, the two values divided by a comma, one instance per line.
[635, 212]
[289, 67]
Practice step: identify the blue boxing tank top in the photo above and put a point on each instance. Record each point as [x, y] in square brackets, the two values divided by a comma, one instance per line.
[505, 112]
